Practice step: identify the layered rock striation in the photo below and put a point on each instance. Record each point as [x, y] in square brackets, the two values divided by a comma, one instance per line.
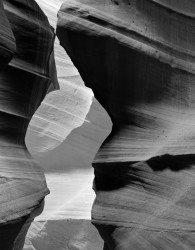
[7, 40]
[138, 58]
[27, 73]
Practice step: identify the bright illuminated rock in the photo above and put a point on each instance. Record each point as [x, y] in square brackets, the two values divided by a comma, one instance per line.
[63, 234]
[63, 110]
[63, 138]
[64, 152]
[138, 58]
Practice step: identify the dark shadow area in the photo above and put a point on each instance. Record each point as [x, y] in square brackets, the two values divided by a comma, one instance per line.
[13, 233]
[172, 162]
[106, 232]
[112, 176]
[116, 175]
[10, 231]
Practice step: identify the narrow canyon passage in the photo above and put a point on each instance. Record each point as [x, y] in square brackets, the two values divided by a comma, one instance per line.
[137, 56]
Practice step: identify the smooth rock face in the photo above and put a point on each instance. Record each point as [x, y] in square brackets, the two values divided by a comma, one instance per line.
[63, 140]
[61, 111]
[138, 58]
[27, 36]
[63, 234]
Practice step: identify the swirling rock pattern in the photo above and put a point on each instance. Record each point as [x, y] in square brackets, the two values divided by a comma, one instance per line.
[65, 153]
[138, 58]
[27, 73]
[62, 110]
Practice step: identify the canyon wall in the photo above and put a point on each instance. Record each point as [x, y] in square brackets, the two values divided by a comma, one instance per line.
[27, 73]
[138, 58]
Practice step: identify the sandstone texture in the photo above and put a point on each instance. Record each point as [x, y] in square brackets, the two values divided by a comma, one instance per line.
[138, 58]
[66, 234]
[27, 73]
[63, 136]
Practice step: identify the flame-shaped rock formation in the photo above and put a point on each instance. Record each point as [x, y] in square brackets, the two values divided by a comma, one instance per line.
[27, 36]
[62, 110]
[138, 58]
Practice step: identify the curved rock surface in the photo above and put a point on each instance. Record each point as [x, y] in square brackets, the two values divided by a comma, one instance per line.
[27, 73]
[63, 110]
[138, 58]
[65, 153]
[63, 234]
[7, 40]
